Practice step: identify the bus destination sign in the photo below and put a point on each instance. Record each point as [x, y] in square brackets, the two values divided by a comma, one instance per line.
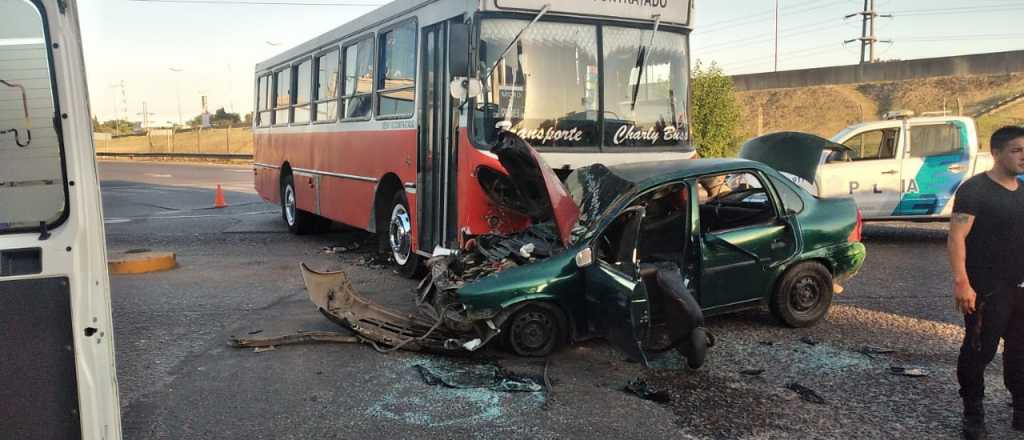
[671, 11]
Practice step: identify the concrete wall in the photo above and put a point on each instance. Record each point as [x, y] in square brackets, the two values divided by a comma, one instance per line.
[996, 63]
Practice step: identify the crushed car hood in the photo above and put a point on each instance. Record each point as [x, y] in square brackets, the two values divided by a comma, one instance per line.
[791, 152]
[538, 193]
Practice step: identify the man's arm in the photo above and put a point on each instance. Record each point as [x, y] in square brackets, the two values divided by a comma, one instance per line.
[959, 226]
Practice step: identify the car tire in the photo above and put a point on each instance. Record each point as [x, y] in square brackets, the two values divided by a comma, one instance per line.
[803, 295]
[536, 330]
[397, 237]
[299, 222]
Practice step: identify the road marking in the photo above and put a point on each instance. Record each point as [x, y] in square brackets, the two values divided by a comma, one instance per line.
[111, 221]
[162, 176]
[169, 217]
[239, 171]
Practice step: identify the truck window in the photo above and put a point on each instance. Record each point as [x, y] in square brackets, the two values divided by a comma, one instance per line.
[874, 144]
[31, 174]
[935, 140]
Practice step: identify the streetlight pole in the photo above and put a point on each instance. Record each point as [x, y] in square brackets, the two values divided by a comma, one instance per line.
[177, 87]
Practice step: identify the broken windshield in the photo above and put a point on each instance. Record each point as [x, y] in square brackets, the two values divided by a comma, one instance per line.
[552, 92]
[594, 188]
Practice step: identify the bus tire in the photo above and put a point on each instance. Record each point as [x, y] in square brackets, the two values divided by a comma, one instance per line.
[299, 222]
[803, 296]
[397, 236]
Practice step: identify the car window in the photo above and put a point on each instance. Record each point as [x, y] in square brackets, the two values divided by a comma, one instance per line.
[935, 140]
[872, 145]
[31, 174]
[733, 200]
[791, 200]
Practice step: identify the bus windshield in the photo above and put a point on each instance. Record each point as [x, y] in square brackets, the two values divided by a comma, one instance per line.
[548, 86]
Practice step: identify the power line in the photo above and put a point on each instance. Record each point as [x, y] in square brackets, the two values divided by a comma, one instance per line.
[252, 2]
[799, 8]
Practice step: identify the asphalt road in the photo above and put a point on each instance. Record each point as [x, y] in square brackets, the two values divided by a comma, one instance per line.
[238, 275]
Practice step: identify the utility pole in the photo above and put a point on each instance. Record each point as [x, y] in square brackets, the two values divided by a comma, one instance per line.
[776, 35]
[124, 106]
[868, 39]
[145, 115]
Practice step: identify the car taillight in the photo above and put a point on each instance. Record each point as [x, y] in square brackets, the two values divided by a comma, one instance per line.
[855, 233]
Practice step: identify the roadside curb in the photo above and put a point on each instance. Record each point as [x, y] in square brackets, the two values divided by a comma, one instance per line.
[137, 261]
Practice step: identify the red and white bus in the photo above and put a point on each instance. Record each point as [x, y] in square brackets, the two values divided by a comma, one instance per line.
[385, 123]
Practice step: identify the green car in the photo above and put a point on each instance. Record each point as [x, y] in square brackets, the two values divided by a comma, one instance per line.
[638, 254]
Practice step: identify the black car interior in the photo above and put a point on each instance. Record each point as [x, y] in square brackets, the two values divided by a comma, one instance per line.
[734, 201]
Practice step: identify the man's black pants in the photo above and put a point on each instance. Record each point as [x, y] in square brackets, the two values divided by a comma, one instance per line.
[999, 314]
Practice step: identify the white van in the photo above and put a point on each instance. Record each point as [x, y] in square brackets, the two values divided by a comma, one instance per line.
[57, 348]
[903, 167]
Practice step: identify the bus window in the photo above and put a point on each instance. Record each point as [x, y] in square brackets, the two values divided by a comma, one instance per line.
[31, 176]
[397, 71]
[282, 96]
[300, 73]
[326, 83]
[358, 81]
[653, 104]
[263, 102]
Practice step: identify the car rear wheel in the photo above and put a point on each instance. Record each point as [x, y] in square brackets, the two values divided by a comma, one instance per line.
[536, 330]
[398, 237]
[804, 295]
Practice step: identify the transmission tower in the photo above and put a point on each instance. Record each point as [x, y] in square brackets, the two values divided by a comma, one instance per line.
[868, 39]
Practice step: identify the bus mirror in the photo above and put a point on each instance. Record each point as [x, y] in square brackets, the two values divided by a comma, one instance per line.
[462, 88]
[458, 49]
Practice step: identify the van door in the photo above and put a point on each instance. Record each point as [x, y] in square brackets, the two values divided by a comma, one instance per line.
[57, 347]
[937, 162]
[869, 172]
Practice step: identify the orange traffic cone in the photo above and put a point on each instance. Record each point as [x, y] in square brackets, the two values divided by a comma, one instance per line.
[218, 198]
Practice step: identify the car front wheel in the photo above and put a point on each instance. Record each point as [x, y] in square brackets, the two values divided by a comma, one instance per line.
[536, 330]
[804, 295]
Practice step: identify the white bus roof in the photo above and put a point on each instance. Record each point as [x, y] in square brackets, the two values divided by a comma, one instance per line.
[677, 12]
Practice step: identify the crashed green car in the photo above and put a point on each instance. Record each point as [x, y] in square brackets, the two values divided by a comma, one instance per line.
[638, 254]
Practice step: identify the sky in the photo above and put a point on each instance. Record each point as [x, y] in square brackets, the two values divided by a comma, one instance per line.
[165, 52]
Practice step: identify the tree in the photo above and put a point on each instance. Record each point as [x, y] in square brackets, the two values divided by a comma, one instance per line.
[716, 112]
[219, 118]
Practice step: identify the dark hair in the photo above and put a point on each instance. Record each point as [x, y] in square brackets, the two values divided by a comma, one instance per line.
[1004, 135]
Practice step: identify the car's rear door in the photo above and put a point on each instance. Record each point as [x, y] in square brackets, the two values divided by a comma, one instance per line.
[617, 303]
[56, 343]
[937, 161]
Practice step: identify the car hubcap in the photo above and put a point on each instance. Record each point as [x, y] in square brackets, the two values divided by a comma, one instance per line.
[289, 204]
[806, 294]
[533, 331]
[400, 234]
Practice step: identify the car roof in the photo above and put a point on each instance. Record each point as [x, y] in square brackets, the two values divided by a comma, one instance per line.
[652, 173]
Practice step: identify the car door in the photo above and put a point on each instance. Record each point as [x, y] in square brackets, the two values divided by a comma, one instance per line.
[57, 345]
[737, 254]
[617, 301]
[937, 161]
[869, 172]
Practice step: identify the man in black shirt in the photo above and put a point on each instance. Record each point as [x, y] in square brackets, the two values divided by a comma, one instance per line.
[986, 249]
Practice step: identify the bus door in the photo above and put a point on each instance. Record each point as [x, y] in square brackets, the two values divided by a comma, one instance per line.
[436, 158]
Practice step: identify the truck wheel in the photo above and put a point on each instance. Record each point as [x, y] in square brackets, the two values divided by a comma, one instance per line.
[803, 296]
[299, 222]
[398, 237]
[536, 330]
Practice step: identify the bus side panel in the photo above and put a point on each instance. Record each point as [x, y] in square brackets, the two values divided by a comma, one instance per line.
[346, 201]
[477, 214]
[267, 180]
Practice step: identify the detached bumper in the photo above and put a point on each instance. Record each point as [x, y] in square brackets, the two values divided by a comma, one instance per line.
[334, 296]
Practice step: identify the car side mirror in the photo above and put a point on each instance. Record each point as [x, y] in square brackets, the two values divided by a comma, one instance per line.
[585, 257]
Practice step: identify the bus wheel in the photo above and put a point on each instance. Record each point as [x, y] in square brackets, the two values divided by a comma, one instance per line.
[299, 222]
[398, 237]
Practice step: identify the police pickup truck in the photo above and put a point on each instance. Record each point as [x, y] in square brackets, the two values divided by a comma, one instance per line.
[902, 167]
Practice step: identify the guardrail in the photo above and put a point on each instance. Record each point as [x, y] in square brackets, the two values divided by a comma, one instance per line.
[214, 156]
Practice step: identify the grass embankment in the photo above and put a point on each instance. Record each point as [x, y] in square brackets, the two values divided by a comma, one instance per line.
[825, 110]
[213, 140]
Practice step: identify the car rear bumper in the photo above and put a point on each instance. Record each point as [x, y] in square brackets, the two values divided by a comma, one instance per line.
[847, 261]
